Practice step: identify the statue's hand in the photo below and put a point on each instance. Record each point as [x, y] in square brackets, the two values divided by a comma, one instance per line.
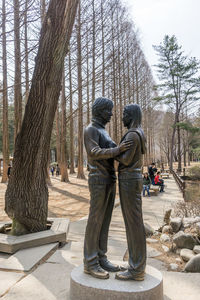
[124, 146]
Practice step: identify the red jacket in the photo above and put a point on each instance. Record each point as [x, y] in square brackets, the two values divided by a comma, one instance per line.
[156, 179]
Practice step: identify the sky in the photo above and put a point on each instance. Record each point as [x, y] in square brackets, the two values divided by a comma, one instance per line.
[156, 18]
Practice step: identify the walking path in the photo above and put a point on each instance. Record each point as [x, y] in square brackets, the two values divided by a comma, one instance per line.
[50, 280]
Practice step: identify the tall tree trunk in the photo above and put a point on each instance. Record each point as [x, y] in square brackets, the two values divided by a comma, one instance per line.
[103, 49]
[114, 96]
[63, 162]
[17, 88]
[27, 193]
[80, 173]
[93, 49]
[5, 98]
[26, 51]
[72, 171]
[58, 139]
[42, 10]
[88, 72]
[179, 148]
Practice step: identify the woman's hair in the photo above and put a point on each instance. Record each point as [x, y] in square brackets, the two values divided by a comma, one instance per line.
[134, 111]
[158, 173]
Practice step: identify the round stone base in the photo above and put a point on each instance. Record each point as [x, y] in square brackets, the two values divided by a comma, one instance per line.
[86, 287]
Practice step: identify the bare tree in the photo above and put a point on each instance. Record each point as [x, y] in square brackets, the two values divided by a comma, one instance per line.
[27, 193]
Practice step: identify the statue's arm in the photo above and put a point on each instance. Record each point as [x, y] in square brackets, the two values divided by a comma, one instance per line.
[91, 139]
[127, 157]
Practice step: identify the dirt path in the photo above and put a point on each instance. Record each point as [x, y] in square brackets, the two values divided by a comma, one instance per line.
[69, 200]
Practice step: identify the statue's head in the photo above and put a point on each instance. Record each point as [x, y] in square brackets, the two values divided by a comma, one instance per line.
[102, 109]
[132, 116]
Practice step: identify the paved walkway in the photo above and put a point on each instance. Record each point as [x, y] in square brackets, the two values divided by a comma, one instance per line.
[50, 280]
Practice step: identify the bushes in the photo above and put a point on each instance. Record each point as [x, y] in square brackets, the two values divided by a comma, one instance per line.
[194, 173]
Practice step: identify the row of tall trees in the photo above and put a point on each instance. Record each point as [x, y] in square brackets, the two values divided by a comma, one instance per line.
[104, 59]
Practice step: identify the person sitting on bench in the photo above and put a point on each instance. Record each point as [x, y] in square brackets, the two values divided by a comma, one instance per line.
[159, 182]
[146, 184]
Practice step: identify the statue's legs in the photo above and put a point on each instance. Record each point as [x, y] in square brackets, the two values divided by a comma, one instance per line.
[96, 236]
[131, 204]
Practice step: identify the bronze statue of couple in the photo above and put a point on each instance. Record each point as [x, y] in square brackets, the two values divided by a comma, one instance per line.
[102, 152]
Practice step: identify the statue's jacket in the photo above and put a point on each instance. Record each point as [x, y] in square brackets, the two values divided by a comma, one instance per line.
[101, 151]
[130, 162]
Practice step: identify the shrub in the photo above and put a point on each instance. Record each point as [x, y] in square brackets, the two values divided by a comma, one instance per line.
[194, 173]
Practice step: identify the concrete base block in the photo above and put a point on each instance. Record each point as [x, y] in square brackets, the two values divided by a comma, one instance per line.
[57, 233]
[86, 287]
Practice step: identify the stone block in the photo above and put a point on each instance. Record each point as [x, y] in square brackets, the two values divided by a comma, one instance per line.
[176, 224]
[7, 280]
[193, 265]
[57, 233]
[196, 249]
[25, 259]
[184, 240]
[164, 238]
[85, 287]
[186, 254]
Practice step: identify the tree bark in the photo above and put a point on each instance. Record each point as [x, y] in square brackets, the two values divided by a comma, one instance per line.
[17, 87]
[58, 139]
[5, 98]
[72, 171]
[63, 161]
[26, 50]
[80, 173]
[27, 193]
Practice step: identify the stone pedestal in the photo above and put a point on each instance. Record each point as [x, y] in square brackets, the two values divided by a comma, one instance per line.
[86, 287]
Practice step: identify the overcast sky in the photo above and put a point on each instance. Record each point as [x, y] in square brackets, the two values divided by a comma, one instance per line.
[155, 18]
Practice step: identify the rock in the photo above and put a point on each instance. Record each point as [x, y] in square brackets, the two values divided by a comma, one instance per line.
[151, 241]
[189, 221]
[165, 248]
[167, 216]
[179, 260]
[151, 252]
[186, 254]
[196, 249]
[173, 267]
[198, 228]
[156, 233]
[148, 229]
[178, 251]
[176, 224]
[164, 237]
[184, 240]
[193, 265]
[167, 229]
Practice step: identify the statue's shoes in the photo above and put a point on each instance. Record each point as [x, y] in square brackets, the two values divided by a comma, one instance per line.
[128, 276]
[96, 271]
[108, 266]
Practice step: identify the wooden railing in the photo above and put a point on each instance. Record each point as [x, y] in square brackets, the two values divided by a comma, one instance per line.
[179, 181]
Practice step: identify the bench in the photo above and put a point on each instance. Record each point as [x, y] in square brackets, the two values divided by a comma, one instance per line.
[155, 189]
[166, 175]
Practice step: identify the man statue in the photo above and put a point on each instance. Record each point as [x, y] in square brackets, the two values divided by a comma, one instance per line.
[101, 151]
[130, 188]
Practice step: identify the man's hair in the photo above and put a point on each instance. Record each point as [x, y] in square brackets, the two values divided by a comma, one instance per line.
[100, 104]
[134, 111]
